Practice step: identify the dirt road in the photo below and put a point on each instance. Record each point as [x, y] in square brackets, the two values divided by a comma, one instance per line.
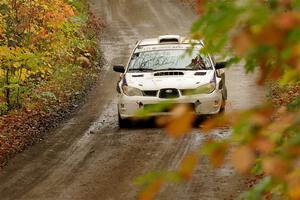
[89, 157]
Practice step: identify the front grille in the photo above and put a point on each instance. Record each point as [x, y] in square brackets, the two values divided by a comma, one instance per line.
[151, 93]
[168, 93]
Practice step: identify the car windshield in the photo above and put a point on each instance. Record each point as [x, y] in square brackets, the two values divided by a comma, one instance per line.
[177, 59]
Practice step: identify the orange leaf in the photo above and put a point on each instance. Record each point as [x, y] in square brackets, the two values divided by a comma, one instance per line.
[285, 3]
[263, 145]
[243, 158]
[150, 192]
[276, 73]
[270, 35]
[287, 20]
[188, 165]
[294, 185]
[200, 6]
[220, 121]
[218, 155]
[242, 43]
[275, 166]
[263, 72]
[181, 121]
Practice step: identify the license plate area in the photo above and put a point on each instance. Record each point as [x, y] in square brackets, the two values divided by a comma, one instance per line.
[168, 108]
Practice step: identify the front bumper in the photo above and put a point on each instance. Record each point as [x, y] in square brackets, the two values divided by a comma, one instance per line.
[204, 104]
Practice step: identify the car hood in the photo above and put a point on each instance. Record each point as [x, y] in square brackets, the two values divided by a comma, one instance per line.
[169, 79]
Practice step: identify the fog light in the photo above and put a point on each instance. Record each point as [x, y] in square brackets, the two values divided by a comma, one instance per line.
[122, 107]
[216, 103]
[141, 105]
[197, 103]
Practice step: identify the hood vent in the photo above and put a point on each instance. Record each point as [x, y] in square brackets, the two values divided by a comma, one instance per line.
[169, 74]
[138, 75]
[200, 73]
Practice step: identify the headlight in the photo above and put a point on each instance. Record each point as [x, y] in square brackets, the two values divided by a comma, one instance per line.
[131, 91]
[203, 89]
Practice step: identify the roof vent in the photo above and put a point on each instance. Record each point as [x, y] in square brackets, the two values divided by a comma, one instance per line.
[169, 39]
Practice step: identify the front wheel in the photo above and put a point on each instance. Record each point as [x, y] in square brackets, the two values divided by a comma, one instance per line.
[224, 98]
[123, 123]
[222, 109]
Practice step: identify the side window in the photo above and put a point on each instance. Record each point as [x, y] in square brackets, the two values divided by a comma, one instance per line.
[207, 62]
[218, 72]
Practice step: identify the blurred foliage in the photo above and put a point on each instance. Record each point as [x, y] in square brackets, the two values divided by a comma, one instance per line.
[265, 140]
[37, 39]
[262, 33]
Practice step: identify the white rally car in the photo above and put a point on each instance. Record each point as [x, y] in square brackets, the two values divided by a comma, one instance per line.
[169, 67]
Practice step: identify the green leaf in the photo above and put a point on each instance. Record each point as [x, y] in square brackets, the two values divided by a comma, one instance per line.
[155, 108]
[257, 191]
[151, 177]
[294, 105]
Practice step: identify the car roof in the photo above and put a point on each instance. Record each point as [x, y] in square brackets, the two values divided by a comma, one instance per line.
[169, 39]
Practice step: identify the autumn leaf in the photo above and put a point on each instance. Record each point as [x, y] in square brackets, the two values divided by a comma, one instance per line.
[295, 58]
[242, 158]
[150, 192]
[181, 121]
[285, 3]
[200, 8]
[275, 166]
[188, 166]
[217, 157]
[294, 185]
[242, 42]
[261, 119]
[263, 145]
[287, 20]
[212, 123]
[270, 35]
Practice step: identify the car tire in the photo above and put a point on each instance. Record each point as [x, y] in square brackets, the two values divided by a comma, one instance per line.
[224, 98]
[222, 109]
[223, 105]
[224, 95]
[123, 123]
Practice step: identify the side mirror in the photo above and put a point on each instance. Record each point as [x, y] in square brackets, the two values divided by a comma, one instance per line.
[119, 68]
[220, 65]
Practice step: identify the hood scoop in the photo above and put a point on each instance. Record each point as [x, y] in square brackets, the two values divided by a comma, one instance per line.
[169, 74]
[200, 73]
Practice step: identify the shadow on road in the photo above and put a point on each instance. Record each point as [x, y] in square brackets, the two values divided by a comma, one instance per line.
[150, 123]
